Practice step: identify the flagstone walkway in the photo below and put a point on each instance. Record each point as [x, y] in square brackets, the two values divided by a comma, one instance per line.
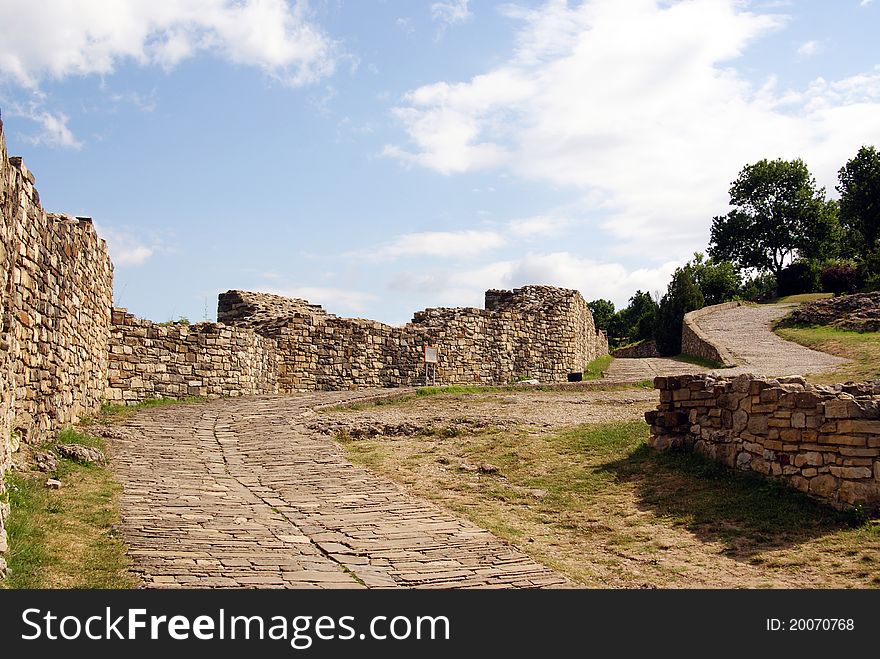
[240, 493]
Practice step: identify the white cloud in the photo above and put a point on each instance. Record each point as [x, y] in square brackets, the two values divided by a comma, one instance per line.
[450, 13]
[328, 297]
[809, 48]
[538, 226]
[54, 131]
[61, 38]
[636, 104]
[442, 244]
[594, 279]
[125, 247]
[865, 3]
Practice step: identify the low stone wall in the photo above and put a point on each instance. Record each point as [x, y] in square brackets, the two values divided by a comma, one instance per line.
[696, 343]
[821, 440]
[640, 350]
[176, 361]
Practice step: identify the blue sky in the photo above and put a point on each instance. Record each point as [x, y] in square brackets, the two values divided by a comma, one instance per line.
[379, 157]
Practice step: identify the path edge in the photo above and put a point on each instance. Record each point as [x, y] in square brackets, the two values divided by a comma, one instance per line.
[695, 342]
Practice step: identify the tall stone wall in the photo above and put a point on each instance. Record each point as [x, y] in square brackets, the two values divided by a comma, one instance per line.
[533, 332]
[55, 298]
[821, 440]
[148, 360]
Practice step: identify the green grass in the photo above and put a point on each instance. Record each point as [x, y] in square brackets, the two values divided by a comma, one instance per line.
[595, 368]
[801, 298]
[863, 348]
[115, 413]
[699, 361]
[602, 487]
[66, 538]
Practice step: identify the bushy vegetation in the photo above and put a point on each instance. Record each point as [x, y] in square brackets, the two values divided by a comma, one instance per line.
[783, 238]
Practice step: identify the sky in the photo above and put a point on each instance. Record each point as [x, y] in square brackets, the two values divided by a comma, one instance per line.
[383, 156]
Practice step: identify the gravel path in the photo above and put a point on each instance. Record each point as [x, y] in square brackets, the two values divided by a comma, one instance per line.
[747, 332]
[242, 493]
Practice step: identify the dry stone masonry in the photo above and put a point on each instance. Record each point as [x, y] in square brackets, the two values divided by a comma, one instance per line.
[823, 440]
[695, 342]
[149, 360]
[56, 284]
[270, 344]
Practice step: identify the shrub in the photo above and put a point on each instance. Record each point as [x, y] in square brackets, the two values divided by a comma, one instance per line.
[839, 278]
[799, 277]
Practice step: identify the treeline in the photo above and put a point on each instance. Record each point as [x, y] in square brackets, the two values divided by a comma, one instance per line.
[782, 237]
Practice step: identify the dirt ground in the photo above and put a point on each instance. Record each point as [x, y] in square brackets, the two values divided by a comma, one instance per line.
[567, 478]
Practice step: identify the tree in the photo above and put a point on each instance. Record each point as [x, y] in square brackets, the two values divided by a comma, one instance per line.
[603, 311]
[718, 281]
[641, 316]
[859, 190]
[779, 212]
[681, 296]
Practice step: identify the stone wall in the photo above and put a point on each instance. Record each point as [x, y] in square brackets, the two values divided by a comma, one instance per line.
[695, 342]
[821, 440]
[148, 360]
[533, 332]
[55, 298]
[640, 350]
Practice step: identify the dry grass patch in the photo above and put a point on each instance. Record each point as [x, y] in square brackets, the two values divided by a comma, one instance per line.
[596, 504]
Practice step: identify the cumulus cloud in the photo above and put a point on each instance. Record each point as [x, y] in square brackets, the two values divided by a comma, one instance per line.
[636, 104]
[328, 297]
[53, 130]
[126, 248]
[594, 279]
[443, 244]
[60, 38]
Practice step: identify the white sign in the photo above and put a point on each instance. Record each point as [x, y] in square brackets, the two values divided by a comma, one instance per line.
[432, 354]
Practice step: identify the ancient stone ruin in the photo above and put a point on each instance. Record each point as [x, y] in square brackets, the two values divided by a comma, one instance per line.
[55, 298]
[823, 440]
[64, 349]
[271, 344]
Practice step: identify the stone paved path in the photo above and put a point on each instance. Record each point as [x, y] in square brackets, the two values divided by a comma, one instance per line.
[239, 493]
[747, 332]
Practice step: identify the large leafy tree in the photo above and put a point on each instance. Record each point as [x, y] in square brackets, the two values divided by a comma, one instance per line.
[859, 188]
[779, 213]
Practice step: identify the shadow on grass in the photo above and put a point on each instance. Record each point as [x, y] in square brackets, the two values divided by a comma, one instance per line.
[744, 511]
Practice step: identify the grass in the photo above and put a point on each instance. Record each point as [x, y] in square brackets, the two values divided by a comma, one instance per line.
[66, 538]
[111, 413]
[597, 367]
[597, 504]
[800, 298]
[699, 361]
[863, 348]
